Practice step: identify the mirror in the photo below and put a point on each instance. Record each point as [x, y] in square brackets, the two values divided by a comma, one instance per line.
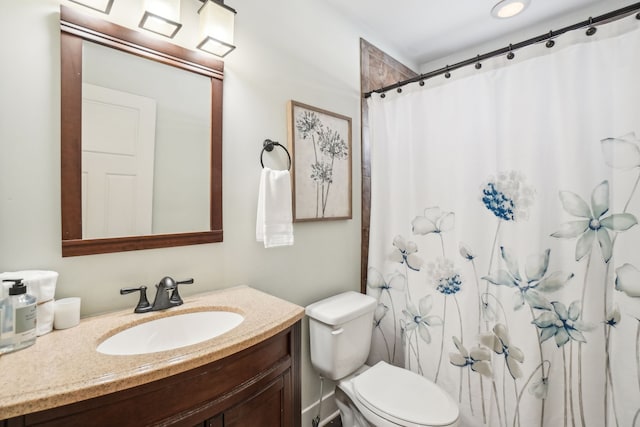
[141, 140]
[145, 146]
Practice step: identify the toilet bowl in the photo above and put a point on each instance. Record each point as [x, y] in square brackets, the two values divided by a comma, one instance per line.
[389, 396]
[383, 395]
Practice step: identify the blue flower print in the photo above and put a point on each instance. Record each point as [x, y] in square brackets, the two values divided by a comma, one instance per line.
[562, 323]
[500, 343]
[489, 308]
[628, 280]
[403, 332]
[405, 252]
[594, 224]
[379, 314]
[508, 196]
[395, 281]
[376, 281]
[533, 283]
[418, 317]
[613, 316]
[435, 220]
[466, 252]
[498, 203]
[449, 285]
[444, 276]
[540, 388]
[477, 359]
[622, 152]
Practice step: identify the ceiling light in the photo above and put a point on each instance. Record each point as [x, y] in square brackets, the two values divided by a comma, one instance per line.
[508, 8]
[161, 17]
[103, 6]
[216, 27]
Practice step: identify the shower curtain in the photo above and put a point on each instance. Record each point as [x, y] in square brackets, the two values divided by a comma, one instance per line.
[505, 245]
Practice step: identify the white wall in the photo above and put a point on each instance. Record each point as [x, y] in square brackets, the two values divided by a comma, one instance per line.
[595, 9]
[286, 50]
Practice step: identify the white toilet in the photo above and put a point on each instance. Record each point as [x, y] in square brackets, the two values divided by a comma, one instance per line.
[383, 395]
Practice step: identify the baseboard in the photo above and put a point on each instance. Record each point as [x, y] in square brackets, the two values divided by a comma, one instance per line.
[329, 411]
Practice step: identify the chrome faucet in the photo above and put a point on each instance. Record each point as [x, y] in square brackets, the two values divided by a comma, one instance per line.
[167, 295]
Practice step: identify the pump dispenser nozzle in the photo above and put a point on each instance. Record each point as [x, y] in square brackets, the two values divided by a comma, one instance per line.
[18, 287]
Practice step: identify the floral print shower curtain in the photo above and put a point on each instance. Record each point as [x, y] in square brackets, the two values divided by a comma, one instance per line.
[505, 245]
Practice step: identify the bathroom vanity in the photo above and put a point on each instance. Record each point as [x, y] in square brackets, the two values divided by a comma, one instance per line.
[247, 376]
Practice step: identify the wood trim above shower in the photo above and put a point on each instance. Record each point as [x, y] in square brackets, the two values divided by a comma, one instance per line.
[377, 69]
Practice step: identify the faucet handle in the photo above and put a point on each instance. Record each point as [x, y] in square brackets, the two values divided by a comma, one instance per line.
[175, 295]
[143, 303]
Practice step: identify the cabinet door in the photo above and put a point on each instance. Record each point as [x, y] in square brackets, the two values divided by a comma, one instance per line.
[264, 409]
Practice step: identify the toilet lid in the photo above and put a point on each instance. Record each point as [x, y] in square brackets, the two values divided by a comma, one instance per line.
[400, 395]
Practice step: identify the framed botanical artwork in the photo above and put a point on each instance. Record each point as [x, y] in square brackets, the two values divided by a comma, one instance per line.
[320, 145]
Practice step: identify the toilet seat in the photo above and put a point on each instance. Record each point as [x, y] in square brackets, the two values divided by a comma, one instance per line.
[404, 397]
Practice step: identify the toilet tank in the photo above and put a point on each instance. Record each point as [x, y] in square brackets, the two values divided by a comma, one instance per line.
[340, 330]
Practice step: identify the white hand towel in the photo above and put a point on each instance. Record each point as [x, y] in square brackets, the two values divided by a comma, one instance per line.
[44, 318]
[274, 224]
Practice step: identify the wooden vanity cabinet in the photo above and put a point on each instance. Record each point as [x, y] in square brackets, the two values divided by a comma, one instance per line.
[256, 387]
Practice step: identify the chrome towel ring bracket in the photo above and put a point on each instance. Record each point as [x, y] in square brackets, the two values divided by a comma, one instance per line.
[268, 146]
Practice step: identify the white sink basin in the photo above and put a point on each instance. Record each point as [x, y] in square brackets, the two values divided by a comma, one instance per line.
[170, 332]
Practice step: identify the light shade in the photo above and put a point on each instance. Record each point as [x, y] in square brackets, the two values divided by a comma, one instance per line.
[103, 6]
[509, 8]
[216, 28]
[161, 17]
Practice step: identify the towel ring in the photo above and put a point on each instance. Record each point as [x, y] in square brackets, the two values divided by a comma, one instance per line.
[268, 145]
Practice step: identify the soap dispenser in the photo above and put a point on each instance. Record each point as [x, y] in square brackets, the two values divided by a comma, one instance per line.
[18, 316]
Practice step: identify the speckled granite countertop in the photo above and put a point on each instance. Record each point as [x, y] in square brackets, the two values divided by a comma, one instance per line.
[64, 367]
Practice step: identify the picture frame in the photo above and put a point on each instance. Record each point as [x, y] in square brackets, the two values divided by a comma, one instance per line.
[320, 145]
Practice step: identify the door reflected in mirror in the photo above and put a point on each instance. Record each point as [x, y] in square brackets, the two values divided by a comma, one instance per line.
[145, 146]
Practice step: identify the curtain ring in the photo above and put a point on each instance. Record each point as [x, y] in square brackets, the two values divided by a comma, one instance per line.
[399, 90]
[510, 55]
[550, 43]
[447, 74]
[383, 95]
[421, 83]
[591, 30]
[478, 64]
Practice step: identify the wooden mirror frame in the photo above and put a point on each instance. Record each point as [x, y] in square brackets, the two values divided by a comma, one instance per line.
[74, 28]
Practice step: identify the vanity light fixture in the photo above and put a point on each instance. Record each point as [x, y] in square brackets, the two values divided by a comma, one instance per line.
[103, 6]
[216, 27]
[161, 17]
[509, 8]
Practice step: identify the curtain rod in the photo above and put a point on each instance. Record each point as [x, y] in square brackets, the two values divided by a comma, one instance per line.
[610, 16]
